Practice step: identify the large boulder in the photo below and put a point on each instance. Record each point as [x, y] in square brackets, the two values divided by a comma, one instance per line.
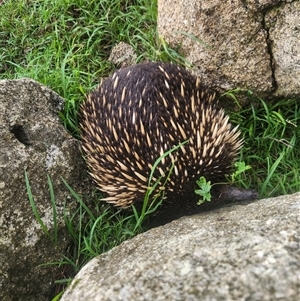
[237, 44]
[32, 139]
[241, 252]
[284, 35]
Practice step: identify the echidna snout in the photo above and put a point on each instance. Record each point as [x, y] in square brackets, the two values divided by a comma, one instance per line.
[139, 113]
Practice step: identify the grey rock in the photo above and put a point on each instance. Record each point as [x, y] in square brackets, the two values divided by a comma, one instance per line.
[242, 252]
[284, 34]
[33, 139]
[250, 45]
[123, 55]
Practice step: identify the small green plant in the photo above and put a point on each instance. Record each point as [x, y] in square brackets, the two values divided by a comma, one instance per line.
[205, 186]
[241, 167]
[204, 190]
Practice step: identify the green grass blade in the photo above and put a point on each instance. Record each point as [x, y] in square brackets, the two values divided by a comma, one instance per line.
[79, 200]
[53, 203]
[271, 171]
[34, 209]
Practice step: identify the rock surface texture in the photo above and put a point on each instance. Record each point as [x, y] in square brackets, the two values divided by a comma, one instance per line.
[284, 33]
[32, 139]
[122, 55]
[242, 252]
[237, 44]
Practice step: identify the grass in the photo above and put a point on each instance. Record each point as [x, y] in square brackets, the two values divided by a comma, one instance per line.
[271, 146]
[52, 237]
[65, 45]
[96, 231]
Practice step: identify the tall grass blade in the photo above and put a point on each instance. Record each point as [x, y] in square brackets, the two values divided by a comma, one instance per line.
[52, 198]
[271, 171]
[34, 209]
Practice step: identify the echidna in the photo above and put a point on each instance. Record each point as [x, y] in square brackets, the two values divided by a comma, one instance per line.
[141, 112]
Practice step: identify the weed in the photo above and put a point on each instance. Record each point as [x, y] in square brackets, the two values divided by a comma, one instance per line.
[204, 186]
[203, 190]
